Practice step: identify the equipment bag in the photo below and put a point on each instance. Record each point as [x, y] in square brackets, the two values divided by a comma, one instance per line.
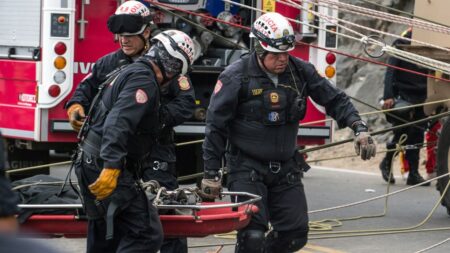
[39, 189]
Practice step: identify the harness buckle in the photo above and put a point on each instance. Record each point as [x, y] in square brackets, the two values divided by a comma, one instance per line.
[274, 167]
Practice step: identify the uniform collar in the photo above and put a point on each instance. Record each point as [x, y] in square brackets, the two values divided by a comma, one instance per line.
[254, 70]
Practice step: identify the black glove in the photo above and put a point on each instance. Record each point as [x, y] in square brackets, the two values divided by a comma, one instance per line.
[211, 184]
[364, 144]
[298, 109]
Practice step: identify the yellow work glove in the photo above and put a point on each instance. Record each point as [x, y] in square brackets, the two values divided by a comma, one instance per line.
[105, 183]
[9, 225]
[76, 116]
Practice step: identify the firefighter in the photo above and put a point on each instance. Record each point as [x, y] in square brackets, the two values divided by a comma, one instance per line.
[8, 222]
[131, 21]
[402, 89]
[256, 107]
[8, 199]
[115, 149]
[177, 97]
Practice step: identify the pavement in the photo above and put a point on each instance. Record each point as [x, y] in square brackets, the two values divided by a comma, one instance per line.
[406, 226]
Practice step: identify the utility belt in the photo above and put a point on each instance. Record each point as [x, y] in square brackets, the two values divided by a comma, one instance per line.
[274, 167]
[269, 172]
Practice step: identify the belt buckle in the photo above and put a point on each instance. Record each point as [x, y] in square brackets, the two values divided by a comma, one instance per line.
[274, 167]
[156, 165]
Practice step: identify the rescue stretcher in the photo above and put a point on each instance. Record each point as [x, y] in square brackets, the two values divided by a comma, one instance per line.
[198, 220]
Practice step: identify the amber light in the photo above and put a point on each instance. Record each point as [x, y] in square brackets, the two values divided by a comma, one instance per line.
[54, 90]
[60, 48]
[330, 71]
[60, 62]
[330, 58]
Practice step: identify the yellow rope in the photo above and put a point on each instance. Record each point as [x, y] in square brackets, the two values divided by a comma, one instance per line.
[349, 233]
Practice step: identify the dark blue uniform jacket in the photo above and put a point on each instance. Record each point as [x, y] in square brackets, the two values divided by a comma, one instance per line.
[222, 123]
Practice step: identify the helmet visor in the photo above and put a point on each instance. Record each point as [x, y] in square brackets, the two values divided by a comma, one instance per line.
[129, 23]
[175, 46]
[283, 43]
[170, 64]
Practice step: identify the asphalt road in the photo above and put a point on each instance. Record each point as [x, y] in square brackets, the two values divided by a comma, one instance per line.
[326, 188]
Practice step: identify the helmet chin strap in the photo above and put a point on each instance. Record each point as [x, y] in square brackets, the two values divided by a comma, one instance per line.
[261, 53]
[146, 45]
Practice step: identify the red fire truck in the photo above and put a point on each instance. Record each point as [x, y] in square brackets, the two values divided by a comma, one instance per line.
[47, 47]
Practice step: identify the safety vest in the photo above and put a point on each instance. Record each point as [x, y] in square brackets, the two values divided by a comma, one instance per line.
[267, 117]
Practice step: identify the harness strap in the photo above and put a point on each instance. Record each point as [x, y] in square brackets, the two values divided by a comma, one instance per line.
[112, 209]
[111, 77]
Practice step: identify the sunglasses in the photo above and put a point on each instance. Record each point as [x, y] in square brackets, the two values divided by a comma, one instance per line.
[129, 23]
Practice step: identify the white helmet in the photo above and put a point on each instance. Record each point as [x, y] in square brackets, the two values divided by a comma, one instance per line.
[274, 33]
[179, 45]
[130, 18]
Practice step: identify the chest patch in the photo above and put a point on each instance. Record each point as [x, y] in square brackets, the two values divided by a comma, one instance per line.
[141, 97]
[256, 92]
[183, 83]
[274, 98]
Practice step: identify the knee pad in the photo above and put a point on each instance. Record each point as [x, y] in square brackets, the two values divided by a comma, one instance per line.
[286, 241]
[250, 241]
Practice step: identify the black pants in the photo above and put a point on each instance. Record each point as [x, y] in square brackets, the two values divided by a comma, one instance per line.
[137, 227]
[283, 201]
[166, 177]
[415, 136]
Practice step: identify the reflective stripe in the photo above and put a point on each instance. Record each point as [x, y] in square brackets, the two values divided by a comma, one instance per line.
[61, 126]
[8, 132]
[324, 132]
[190, 129]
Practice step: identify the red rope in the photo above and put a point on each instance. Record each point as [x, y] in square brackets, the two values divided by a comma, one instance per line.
[196, 14]
[300, 42]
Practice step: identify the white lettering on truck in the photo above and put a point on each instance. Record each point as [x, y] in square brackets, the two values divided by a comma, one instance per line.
[82, 67]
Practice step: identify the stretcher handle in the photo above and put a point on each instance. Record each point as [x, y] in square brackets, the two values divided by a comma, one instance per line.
[50, 206]
[253, 198]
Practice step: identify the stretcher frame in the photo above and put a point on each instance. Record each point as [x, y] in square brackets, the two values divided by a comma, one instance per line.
[205, 218]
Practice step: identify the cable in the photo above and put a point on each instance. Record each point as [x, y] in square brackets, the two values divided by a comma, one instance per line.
[363, 37]
[431, 62]
[402, 12]
[433, 246]
[299, 42]
[303, 151]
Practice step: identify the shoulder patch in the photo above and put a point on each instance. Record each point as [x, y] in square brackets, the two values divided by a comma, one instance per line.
[218, 87]
[141, 97]
[183, 83]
